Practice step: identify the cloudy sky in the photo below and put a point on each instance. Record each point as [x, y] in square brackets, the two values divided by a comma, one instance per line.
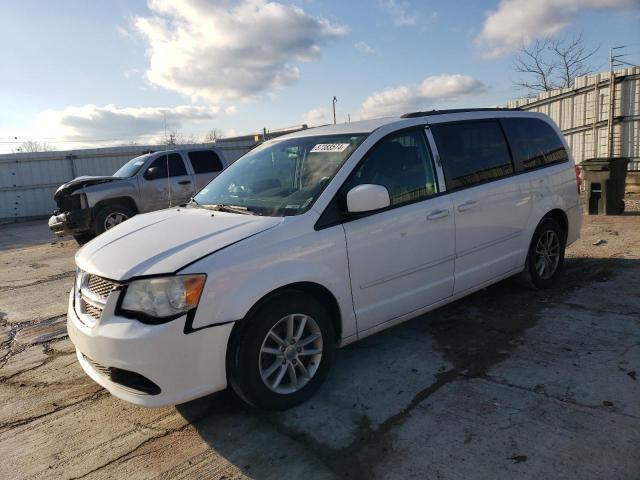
[109, 72]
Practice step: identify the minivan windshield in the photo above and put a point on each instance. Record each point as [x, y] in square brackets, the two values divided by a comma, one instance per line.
[280, 177]
[132, 167]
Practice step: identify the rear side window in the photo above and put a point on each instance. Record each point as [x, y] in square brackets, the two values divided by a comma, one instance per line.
[402, 164]
[472, 152]
[533, 142]
[205, 161]
[158, 169]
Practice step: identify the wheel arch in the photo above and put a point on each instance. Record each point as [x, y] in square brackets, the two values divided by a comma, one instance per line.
[321, 293]
[123, 200]
[559, 216]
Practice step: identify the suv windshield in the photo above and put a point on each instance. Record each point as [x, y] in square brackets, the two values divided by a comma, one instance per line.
[281, 177]
[130, 168]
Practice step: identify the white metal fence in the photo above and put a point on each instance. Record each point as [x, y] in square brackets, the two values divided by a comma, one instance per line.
[29, 180]
[582, 113]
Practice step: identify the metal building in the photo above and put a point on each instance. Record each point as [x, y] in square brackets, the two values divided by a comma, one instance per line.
[594, 123]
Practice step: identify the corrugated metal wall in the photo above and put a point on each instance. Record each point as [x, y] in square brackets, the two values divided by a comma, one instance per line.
[582, 114]
[29, 180]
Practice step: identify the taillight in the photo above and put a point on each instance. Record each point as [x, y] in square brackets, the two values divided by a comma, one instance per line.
[578, 178]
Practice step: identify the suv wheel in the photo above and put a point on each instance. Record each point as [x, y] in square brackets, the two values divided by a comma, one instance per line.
[111, 215]
[546, 254]
[283, 353]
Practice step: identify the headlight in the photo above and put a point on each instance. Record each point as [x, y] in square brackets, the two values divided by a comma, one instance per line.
[160, 299]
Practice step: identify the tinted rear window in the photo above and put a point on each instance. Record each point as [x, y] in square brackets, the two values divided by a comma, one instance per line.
[533, 142]
[472, 152]
[205, 161]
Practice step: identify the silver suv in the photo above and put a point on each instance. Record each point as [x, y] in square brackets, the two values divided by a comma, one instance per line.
[87, 206]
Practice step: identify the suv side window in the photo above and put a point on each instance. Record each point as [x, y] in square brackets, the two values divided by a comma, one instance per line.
[533, 142]
[158, 169]
[401, 163]
[205, 161]
[472, 152]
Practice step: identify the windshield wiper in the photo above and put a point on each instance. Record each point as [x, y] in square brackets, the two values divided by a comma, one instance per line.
[224, 207]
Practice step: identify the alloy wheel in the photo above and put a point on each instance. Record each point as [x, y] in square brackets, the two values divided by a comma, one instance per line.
[547, 254]
[290, 353]
[113, 219]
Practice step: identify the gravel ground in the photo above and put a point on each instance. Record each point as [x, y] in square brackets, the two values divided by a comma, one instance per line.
[632, 204]
[506, 383]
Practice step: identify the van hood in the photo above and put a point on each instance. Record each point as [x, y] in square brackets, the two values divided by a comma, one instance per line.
[165, 241]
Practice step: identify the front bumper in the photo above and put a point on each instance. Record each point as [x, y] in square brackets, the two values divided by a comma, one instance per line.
[183, 366]
[70, 223]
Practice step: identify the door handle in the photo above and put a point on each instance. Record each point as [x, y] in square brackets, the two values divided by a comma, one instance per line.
[436, 214]
[184, 182]
[468, 205]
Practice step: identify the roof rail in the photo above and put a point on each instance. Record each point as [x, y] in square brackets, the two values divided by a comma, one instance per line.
[457, 110]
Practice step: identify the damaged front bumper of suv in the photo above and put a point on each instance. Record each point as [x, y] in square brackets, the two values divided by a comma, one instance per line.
[72, 217]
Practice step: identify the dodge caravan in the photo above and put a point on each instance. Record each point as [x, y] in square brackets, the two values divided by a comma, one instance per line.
[315, 240]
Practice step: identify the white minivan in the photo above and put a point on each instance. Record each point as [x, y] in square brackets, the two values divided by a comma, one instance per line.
[315, 240]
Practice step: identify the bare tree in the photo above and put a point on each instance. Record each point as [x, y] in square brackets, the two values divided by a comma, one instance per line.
[178, 138]
[212, 135]
[574, 59]
[34, 146]
[550, 64]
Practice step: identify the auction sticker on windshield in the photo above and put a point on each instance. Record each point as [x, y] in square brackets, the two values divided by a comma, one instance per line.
[330, 147]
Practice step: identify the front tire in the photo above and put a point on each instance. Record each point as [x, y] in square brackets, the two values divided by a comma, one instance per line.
[283, 352]
[111, 215]
[546, 254]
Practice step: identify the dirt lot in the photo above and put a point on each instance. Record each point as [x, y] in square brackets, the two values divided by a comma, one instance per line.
[506, 383]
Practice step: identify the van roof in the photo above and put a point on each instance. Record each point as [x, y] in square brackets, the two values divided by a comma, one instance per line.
[368, 126]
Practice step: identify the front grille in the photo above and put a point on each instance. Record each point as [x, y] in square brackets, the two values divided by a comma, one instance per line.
[93, 312]
[131, 381]
[98, 367]
[92, 292]
[101, 286]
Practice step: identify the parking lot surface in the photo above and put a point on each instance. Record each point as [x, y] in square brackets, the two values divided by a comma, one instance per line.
[507, 383]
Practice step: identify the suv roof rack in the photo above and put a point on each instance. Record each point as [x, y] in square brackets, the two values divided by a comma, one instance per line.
[456, 110]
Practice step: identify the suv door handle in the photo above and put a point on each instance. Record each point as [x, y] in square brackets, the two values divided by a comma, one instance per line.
[436, 214]
[468, 205]
[184, 182]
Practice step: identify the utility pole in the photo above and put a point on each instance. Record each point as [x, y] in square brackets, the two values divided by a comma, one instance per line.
[333, 102]
[614, 61]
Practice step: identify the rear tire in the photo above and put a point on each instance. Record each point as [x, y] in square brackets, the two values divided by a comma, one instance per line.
[111, 215]
[274, 363]
[546, 254]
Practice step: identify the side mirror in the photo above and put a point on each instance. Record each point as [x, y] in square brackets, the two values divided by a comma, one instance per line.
[151, 173]
[367, 198]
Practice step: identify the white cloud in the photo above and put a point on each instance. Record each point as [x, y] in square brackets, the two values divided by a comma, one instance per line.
[123, 32]
[131, 73]
[400, 11]
[406, 98]
[228, 50]
[91, 126]
[518, 22]
[90, 122]
[318, 116]
[365, 48]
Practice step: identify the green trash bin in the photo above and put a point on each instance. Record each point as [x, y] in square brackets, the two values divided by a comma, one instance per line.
[605, 184]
